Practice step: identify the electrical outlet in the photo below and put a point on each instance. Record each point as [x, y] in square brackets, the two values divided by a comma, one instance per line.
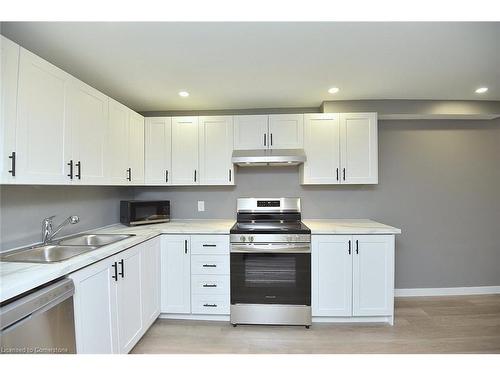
[201, 206]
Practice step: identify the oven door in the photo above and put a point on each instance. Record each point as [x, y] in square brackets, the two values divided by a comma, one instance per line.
[271, 274]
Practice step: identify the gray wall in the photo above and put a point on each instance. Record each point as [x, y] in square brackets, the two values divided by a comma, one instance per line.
[439, 182]
[22, 209]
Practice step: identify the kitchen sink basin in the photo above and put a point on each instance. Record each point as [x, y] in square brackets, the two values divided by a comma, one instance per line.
[46, 253]
[63, 249]
[94, 239]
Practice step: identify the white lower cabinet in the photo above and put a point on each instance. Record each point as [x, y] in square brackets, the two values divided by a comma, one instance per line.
[373, 275]
[331, 276]
[150, 282]
[129, 298]
[210, 293]
[195, 274]
[352, 276]
[96, 318]
[109, 300]
[175, 274]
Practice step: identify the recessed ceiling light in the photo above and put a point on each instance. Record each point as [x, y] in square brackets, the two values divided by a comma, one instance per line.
[333, 90]
[481, 90]
[183, 94]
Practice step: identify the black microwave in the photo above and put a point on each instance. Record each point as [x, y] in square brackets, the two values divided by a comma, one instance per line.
[144, 212]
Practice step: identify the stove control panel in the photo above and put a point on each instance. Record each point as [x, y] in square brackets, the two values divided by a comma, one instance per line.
[270, 238]
[273, 203]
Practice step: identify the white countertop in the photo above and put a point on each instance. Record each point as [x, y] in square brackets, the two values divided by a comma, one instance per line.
[17, 278]
[348, 226]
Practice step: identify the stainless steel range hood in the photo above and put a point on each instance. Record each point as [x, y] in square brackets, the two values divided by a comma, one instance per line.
[269, 157]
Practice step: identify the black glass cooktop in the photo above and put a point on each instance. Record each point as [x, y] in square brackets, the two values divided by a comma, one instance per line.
[270, 228]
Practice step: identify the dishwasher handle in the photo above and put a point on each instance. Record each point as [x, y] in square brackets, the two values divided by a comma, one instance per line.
[16, 312]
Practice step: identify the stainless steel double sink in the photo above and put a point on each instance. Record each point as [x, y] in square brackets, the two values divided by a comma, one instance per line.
[63, 249]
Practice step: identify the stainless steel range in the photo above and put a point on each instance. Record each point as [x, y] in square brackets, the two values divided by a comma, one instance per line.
[270, 263]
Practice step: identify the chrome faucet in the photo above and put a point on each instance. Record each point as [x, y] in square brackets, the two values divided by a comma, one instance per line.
[48, 231]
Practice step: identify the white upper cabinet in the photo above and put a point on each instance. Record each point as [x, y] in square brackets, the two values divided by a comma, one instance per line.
[321, 145]
[41, 133]
[250, 132]
[185, 169]
[117, 145]
[340, 148]
[87, 123]
[125, 146]
[373, 275]
[216, 147]
[9, 54]
[136, 148]
[286, 131]
[331, 275]
[58, 130]
[359, 148]
[158, 150]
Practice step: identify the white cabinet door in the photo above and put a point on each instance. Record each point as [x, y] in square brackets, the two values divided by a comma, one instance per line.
[136, 148]
[129, 302]
[158, 150]
[117, 145]
[175, 274]
[286, 131]
[9, 57]
[41, 134]
[185, 169]
[250, 132]
[359, 148]
[216, 147]
[331, 275]
[150, 281]
[96, 324]
[373, 275]
[87, 120]
[321, 145]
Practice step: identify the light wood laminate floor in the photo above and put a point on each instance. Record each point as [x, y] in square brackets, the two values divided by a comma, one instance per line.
[463, 324]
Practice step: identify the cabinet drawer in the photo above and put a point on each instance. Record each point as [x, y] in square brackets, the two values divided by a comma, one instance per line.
[210, 285]
[210, 264]
[210, 244]
[210, 304]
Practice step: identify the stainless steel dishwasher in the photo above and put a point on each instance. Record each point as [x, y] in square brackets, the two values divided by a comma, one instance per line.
[41, 321]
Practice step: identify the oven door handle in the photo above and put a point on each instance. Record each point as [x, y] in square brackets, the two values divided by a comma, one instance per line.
[270, 249]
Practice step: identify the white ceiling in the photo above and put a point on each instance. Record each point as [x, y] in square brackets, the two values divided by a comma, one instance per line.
[265, 65]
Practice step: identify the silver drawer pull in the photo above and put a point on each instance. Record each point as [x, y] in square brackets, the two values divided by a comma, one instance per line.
[209, 285]
[209, 245]
[209, 305]
[210, 265]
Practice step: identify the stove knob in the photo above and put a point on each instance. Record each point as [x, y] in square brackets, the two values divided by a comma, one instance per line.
[242, 238]
[250, 238]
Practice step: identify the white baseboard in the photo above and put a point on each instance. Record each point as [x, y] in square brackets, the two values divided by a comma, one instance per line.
[223, 318]
[427, 292]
